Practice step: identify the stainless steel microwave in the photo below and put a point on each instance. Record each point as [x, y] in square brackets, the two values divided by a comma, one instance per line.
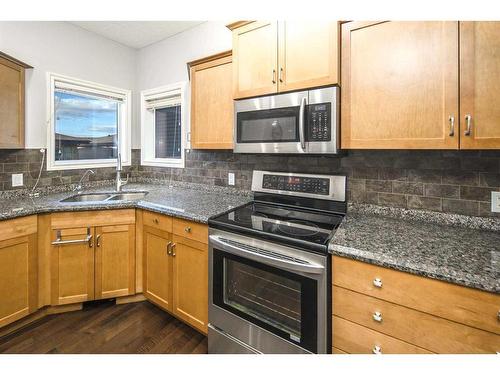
[304, 122]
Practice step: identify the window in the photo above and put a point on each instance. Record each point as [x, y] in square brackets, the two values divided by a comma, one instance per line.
[163, 126]
[89, 124]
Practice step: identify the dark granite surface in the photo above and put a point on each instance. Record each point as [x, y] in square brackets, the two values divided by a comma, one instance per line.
[462, 255]
[189, 201]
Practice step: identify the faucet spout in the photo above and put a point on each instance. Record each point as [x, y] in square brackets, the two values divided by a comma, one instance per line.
[119, 181]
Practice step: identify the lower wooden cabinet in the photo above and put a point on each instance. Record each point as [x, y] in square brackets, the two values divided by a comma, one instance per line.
[18, 269]
[157, 262]
[190, 284]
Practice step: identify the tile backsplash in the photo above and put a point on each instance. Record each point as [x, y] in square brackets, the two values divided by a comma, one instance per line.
[447, 181]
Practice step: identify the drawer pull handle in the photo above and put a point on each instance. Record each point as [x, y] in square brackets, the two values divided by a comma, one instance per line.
[172, 249]
[377, 350]
[377, 282]
[377, 316]
[169, 248]
[188, 229]
[156, 221]
[498, 315]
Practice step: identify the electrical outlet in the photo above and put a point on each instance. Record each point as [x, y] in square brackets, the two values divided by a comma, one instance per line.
[230, 178]
[17, 179]
[495, 201]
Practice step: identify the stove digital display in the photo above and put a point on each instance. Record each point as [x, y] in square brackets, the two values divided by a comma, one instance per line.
[311, 185]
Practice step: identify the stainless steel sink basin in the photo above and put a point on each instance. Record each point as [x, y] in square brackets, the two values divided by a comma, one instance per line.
[128, 196]
[101, 197]
[90, 197]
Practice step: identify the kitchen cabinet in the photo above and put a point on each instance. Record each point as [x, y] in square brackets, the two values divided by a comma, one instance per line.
[212, 102]
[271, 57]
[400, 85]
[18, 269]
[479, 89]
[92, 255]
[379, 307]
[176, 267]
[12, 76]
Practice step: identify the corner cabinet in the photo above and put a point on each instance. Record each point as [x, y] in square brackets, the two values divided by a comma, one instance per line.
[12, 72]
[18, 269]
[212, 102]
[92, 255]
[272, 57]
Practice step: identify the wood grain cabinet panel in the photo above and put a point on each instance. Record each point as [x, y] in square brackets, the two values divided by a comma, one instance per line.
[12, 77]
[479, 85]
[212, 102]
[308, 54]
[114, 261]
[356, 339]
[400, 85]
[424, 330]
[72, 266]
[18, 278]
[190, 284]
[255, 59]
[463, 305]
[157, 267]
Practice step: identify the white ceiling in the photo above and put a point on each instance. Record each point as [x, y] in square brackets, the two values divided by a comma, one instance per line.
[136, 34]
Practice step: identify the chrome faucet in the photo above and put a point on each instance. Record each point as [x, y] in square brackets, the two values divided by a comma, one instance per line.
[119, 181]
[79, 186]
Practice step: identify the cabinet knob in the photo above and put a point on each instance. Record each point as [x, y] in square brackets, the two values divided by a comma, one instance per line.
[169, 248]
[377, 350]
[156, 221]
[468, 124]
[172, 249]
[498, 315]
[377, 282]
[451, 120]
[377, 316]
[188, 229]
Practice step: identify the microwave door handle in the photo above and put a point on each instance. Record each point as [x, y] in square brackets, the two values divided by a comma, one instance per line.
[266, 259]
[302, 111]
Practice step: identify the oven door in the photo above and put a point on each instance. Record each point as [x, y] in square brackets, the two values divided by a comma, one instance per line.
[271, 124]
[268, 296]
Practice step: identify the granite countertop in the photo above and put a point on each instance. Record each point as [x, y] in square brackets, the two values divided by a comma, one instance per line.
[188, 201]
[460, 254]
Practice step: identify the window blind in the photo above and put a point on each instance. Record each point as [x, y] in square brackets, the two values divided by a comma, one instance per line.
[71, 88]
[168, 132]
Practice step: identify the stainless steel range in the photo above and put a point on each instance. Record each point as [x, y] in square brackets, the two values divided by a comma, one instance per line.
[269, 269]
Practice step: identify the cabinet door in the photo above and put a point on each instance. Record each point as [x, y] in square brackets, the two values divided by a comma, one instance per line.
[11, 104]
[479, 85]
[212, 104]
[255, 59]
[18, 278]
[400, 85]
[191, 282]
[157, 274]
[114, 261]
[72, 266]
[308, 54]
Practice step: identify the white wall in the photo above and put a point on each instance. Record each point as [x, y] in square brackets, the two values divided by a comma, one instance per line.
[63, 48]
[165, 62]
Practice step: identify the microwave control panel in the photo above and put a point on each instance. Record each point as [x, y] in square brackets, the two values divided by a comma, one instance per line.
[312, 185]
[319, 122]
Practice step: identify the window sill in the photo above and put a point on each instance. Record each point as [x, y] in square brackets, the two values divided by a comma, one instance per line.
[164, 164]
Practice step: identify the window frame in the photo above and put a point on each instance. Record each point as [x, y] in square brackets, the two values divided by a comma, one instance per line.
[148, 157]
[124, 123]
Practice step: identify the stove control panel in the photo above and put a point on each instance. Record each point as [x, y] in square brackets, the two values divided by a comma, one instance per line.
[299, 184]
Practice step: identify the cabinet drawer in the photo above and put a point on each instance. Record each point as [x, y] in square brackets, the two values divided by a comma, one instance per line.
[159, 221]
[191, 230]
[20, 227]
[468, 306]
[353, 338]
[424, 330]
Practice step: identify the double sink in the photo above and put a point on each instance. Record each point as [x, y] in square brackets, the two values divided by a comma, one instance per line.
[106, 197]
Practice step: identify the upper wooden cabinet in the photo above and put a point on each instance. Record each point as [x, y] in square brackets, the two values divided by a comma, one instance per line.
[271, 57]
[18, 268]
[11, 102]
[480, 85]
[212, 102]
[399, 85]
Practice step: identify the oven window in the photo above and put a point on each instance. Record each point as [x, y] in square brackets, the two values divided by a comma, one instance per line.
[279, 301]
[270, 298]
[270, 126]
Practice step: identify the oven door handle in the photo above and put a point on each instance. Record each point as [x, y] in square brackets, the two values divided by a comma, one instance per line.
[290, 265]
[302, 111]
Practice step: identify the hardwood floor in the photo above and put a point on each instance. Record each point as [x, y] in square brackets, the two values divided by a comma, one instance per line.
[107, 328]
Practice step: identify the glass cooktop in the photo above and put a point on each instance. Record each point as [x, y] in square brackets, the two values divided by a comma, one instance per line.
[281, 223]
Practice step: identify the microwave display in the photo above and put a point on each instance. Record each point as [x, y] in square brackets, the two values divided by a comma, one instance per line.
[318, 120]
